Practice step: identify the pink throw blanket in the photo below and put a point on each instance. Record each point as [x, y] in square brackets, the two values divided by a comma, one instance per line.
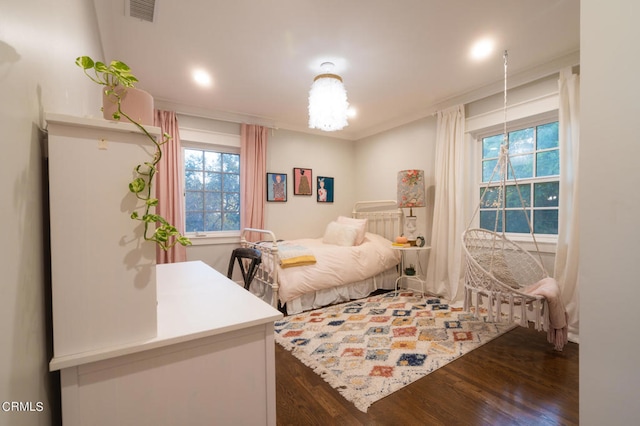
[557, 333]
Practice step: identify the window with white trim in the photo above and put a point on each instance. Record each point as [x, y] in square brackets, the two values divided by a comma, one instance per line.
[535, 156]
[211, 171]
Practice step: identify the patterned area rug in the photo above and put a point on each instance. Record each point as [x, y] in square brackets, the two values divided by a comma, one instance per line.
[370, 348]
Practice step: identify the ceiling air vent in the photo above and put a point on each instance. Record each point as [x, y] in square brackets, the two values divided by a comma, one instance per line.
[142, 9]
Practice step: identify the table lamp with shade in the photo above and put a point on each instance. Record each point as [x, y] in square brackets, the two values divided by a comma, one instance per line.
[411, 193]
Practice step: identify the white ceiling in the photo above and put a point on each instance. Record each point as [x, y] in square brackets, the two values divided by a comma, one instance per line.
[400, 59]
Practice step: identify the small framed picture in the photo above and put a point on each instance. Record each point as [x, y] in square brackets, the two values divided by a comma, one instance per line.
[302, 179]
[325, 189]
[277, 187]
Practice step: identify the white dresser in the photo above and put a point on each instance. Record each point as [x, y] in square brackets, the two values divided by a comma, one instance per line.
[211, 363]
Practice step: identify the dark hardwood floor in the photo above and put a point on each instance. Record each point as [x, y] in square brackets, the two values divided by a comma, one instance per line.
[516, 379]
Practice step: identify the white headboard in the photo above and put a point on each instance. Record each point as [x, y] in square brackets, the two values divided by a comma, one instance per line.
[383, 217]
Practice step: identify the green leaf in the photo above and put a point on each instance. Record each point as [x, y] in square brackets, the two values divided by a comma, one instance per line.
[84, 62]
[152, 202]
[137, 185]
[161, 235]
[150, 218]
[120, 66]
[134, 215]
[100, 67]
[184, 241]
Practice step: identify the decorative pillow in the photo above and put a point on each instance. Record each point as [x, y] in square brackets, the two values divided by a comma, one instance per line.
[340, 234]
[360, 224]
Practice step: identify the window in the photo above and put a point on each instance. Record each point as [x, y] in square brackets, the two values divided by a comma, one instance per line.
[535, 158]
[212, 190]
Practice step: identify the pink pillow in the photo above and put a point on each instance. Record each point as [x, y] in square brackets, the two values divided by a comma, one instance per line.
[360, 224]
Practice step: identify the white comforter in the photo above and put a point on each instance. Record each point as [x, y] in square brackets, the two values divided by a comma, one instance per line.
[336, 265]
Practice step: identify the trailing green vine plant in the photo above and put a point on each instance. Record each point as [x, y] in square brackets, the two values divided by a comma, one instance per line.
[117, 77]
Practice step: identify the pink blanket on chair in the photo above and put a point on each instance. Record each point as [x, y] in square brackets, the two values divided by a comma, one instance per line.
[557, 334]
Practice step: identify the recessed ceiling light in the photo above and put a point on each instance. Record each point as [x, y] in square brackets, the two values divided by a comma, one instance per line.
[202, 78]
[351, 112]
[482, 48]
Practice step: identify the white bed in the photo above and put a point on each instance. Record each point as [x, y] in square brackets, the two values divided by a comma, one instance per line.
[347, 266]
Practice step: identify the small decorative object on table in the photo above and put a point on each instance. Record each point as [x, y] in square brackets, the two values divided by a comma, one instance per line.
[410, 270]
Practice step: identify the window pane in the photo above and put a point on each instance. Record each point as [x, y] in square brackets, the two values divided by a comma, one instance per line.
[231, 183]
[491, 146]
[231, 221]
[231, 163]
[193, 180]
[213, 181]
[522, 166]
[488, 220]
[212, 201]
[491, 199]
[192, 159]
[194, 222]
[546, 194]
[212, 161]
[231, 202]
[517, 221]
[213, 222]
[487, 170]
[513, 198]
[521, 141]
[548, 136]
[546, 221]
[194, 201]
[548, 163]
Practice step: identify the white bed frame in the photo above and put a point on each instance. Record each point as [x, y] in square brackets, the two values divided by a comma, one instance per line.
[383, 218]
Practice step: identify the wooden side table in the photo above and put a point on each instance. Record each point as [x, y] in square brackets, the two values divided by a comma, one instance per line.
[419, 276]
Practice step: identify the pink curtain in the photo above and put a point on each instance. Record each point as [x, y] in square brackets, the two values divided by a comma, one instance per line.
[253, 168]
[168, 184]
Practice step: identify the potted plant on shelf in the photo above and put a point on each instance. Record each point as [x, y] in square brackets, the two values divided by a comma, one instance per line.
[117, 79]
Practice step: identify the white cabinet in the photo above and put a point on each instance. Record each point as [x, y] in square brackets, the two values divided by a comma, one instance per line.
[136, 343]
[103, 275]
[212, 362]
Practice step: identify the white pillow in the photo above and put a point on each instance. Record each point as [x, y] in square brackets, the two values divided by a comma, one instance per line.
[340, 234]
[360, 224]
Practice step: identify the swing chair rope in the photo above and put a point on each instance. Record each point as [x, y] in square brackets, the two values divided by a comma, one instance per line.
[495, 243]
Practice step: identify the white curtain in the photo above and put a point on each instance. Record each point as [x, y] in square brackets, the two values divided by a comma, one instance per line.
[445, 261]
[566, 264]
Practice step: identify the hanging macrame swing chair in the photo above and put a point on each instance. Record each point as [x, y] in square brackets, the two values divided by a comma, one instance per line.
[498, 270]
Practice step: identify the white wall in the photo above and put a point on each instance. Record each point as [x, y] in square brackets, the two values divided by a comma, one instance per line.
[39, 41]
[380, 157]
[302, 216]
[609, 205]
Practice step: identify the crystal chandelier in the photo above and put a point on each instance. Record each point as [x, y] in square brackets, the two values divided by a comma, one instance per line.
[328, 101]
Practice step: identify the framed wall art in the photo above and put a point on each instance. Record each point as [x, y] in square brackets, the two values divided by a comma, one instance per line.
[277, 187]
[302, 179]
[325, 189]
